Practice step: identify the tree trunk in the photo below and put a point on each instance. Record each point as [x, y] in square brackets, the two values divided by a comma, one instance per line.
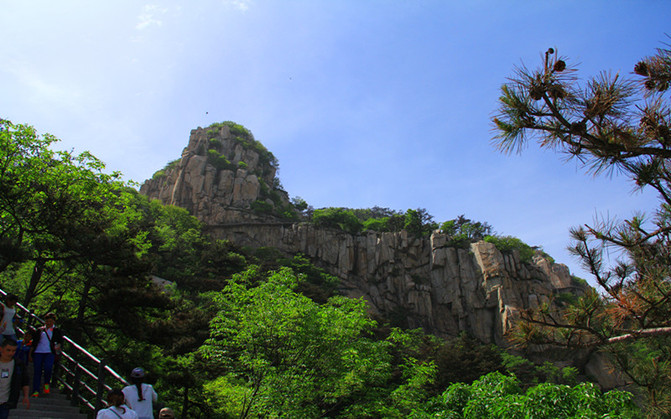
[38, 269]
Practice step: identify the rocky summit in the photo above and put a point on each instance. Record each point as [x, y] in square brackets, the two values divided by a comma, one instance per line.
[228, 180]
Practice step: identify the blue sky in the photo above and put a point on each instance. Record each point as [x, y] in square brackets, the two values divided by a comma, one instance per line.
[364, 103]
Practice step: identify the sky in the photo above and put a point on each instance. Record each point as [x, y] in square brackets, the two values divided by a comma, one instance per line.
[364, 103]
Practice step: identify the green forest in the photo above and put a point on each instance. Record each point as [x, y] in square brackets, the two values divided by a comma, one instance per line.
[250, 332]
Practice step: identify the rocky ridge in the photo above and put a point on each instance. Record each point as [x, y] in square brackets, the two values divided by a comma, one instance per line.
[227, 180]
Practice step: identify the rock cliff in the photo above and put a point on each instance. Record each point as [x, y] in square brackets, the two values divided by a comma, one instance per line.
[222, 175]
[227, 180]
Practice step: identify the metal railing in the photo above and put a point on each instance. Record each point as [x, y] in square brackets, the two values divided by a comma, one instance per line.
[81, 374]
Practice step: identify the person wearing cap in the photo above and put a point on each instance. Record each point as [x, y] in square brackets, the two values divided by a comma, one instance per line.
[139, 395]
[166, 413]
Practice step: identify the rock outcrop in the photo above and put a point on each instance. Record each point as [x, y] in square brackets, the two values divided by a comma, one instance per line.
[420, 282]
[226, 179]
[222, 173]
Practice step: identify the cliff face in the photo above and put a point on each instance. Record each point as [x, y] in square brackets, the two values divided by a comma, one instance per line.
[421, 282]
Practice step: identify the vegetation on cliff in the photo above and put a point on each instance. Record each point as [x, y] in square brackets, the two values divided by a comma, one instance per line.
[611, 123]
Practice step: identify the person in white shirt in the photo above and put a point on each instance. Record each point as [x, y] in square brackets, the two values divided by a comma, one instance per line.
[46, 345]
[139, 395]
[8, 314]
[117, 409]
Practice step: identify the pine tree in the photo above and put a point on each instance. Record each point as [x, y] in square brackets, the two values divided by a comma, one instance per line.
[612, 123]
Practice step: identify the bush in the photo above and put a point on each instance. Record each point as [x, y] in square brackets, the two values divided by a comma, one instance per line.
[499, 396]
[262, 207]
[214, 143]
[506, 244]
[376, 224]
[219, 160]
[339, 218]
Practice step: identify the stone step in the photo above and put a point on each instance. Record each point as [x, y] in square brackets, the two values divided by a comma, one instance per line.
[48, 406]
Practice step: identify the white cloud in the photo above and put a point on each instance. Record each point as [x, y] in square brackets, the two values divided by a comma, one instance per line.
[150, 16]
[242, 5]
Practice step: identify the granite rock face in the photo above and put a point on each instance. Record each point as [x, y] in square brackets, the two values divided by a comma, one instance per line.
[444, 290]
[418, 282]
[218, 177]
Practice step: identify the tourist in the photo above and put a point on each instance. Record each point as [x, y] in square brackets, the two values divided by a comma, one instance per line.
[13, 379]
[8, 313]
[166, 413]
[140, 396]
[23, 347]
[117, 409]
[46, 345]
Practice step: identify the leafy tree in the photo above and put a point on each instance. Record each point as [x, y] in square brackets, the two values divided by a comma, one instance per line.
[419, 222]
[612, 123]
[59, 210]
[461, 230]
[282, 354]
[340, 218]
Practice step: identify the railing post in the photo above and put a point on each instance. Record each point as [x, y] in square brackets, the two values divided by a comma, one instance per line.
[76, 380]
[101, 384]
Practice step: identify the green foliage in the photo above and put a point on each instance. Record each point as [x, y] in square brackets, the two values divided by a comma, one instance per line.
[462, 231]
[499, 396]
[419, 222]
[340, 218]
[219, 160]
[262, 207]
[579, 282]
[163, 172]
[508, 244]
[377, 224]
[245, 137]
[299, 358]
[213, 143]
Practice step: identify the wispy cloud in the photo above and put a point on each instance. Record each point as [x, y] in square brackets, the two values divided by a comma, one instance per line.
[150, 16]
[242, 5]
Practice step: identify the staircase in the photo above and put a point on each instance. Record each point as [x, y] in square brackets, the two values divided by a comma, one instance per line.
[48, 406]
[79, 374]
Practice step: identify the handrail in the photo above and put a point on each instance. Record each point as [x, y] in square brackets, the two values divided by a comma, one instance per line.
[72, 364]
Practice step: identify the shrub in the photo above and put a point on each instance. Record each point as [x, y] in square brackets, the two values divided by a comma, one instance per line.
[262, 207]
[219, 160]
[214, 143]
[578, 282]
[506, 244]
[500, 396]
[339, 218]
[376, 224]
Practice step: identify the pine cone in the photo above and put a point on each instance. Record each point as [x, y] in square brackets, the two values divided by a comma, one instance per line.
[536, 92]
[559, 66]
[578, 128]
[556, 92]
[641, 68]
